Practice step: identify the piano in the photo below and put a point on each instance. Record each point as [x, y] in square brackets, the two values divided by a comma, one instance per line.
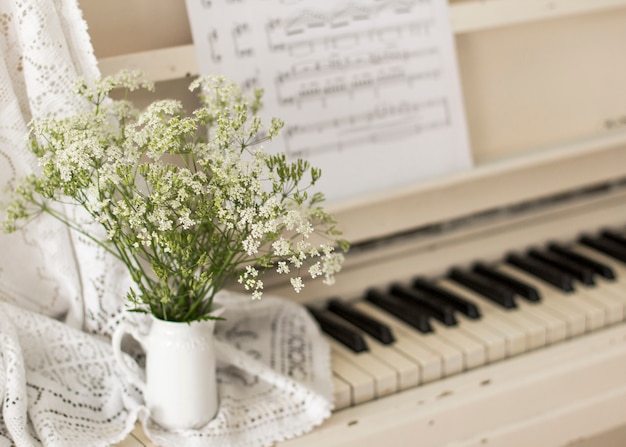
[518, 265]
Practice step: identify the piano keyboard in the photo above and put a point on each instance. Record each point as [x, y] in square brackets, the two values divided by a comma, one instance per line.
[405, 335]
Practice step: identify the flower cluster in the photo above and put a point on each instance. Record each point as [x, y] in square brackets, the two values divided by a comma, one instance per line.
[188, 202]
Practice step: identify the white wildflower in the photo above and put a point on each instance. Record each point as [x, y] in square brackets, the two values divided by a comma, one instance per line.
[297, 284]
[186, 198]
[283, 267]
[281, 247]
[315, 270]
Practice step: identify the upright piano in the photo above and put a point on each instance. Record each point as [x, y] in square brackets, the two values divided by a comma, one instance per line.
[519, 264]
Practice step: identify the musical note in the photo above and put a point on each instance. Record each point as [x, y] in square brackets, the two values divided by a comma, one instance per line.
[212, 38]
[243, 41]
[360, 85]
[355, 73]
[384, 123]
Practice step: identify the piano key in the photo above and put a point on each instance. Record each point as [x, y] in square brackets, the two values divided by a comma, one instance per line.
[464, 306]
[553, 300]
[497, 294]
[339, 330]
[410, 315]
[580, 272]
[436, 309]
[342, 393]
[370, 326]
[450, 357]
[556, 328]
[600, 268]
[598, 292]
[606, 246]
[406, 369]
[616, 266]
[430, 363]
[493, 342]
[615, 236]
[514, 338]
[534, 333]
[594, 310]
[522, 289]
[601, 309]
[542, 270]
[616, 288]
[385, 377]
[613, 304]
[361, 383]
[474, 353]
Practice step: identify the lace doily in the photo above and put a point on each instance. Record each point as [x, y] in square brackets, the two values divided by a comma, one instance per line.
[61, 386]
[61, 297]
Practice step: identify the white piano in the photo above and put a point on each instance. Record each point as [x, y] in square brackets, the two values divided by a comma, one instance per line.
[544, 85]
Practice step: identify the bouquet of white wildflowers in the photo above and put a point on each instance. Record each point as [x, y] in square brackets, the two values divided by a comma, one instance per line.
[189, 202]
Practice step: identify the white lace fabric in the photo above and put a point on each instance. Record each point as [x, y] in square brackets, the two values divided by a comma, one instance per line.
[61, 296]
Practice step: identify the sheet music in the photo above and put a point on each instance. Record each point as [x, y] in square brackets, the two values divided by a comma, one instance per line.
[368, 90]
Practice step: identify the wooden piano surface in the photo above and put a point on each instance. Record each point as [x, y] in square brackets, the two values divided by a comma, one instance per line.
[544, 91]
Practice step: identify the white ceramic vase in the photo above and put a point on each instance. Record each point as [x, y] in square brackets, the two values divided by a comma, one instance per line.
[180, 387]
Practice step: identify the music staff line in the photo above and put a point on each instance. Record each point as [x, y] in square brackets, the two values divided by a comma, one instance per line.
[382, 123]
[314, 91]
[346, 15]
[350, 62]
[348, 39]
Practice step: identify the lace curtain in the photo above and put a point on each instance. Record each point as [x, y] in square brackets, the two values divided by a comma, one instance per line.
[61, 296]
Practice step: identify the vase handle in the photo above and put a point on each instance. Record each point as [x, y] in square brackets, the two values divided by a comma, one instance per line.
[127, 327]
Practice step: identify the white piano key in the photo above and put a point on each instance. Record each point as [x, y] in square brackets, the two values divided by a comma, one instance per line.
[617, 266]
[342, 393]
[556, 328]
[613, 306]
[595, 308]
[385, 378]
[474, 354]
[407, 370]
[451, 357]
[534, 334]
[514, 338]
[619, 296]
[616, 289]
[552, 300]
[431, 365]
[362, 385]
[493, 341]
[594, 311]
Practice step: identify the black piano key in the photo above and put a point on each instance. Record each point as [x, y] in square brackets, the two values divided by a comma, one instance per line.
[521, 288]
[339, 330]
[543, 271]
[367, 324]
[463, 305]
[606, 246]
[394, 306]
[614, 236]
[580, 272]
[499, 295]
[436, 309]
[600, 268]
